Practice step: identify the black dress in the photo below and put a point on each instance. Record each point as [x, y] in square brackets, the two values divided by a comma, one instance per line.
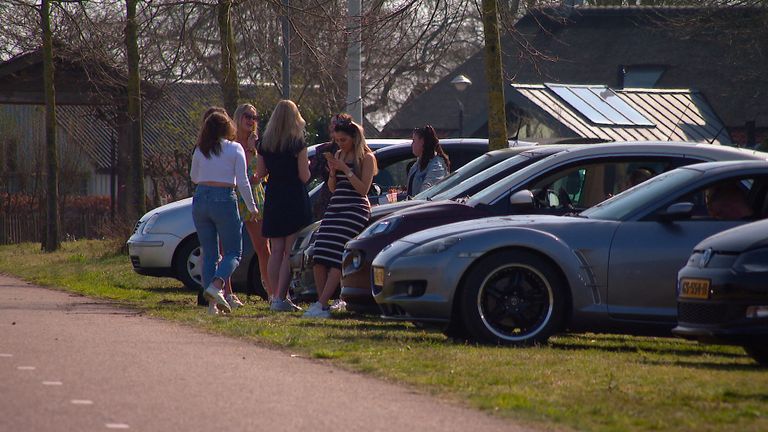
[346, 216]
[286, 203]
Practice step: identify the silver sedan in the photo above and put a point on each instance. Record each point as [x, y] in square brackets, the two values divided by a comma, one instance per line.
[519, 279]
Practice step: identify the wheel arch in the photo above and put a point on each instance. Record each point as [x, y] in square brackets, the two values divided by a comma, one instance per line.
[182, 244]
[456, 313]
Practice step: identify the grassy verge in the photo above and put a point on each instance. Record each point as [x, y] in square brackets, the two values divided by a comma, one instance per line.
[580, 381]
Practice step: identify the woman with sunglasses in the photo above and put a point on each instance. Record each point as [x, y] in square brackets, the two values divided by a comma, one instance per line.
[247, 124]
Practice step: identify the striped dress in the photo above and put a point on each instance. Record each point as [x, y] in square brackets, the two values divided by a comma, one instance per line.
[346, 217]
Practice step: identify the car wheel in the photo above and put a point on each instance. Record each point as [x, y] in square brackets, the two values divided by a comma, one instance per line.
[188, 264]
[513, 298]
[758, 351]
[254, 279]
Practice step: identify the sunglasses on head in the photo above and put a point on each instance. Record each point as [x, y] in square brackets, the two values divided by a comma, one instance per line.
[250, 116]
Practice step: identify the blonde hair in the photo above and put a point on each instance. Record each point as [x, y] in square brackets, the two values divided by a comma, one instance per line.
[240, 111]
[359, 145]
[285, 129]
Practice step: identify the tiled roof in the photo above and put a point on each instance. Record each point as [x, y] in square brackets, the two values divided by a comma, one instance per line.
[586, 46]
[676, 115]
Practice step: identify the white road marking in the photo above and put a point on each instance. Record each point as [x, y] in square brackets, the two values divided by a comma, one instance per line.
[25, 367]
[6, 355]
[117, 426]
[53, 383]
[81, 402]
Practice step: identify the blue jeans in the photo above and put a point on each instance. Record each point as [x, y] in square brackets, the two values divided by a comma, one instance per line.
[214, 210]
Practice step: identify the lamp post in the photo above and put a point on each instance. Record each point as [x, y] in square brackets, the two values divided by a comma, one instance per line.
[460, 83]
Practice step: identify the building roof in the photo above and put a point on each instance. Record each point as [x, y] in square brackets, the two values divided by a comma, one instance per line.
[588, 45]
[654, 114]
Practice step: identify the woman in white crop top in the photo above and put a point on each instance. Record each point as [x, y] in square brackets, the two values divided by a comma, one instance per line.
[218, 166]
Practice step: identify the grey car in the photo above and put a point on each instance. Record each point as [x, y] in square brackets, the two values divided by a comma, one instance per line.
[519, 279]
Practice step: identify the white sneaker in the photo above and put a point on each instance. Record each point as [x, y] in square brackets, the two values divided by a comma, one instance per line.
[339, 305]
[216, 296]
[316, 311]
[212, 309]
[233, 301]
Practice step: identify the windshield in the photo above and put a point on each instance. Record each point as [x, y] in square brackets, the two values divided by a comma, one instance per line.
[513, 163]
[649, 193]
[456, 177]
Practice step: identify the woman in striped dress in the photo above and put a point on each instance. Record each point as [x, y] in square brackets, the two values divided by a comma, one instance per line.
[351, 172]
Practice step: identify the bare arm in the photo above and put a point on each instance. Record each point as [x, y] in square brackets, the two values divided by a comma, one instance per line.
[261, 168]
[303, 162]
[363, 183]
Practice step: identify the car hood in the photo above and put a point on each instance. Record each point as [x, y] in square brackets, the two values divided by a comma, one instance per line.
[432, 209]
[380, 211]
[543, 222]
[739, 239]
[186, 202]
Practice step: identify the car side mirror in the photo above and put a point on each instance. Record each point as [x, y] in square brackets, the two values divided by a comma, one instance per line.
[521, 200]
[677, 211]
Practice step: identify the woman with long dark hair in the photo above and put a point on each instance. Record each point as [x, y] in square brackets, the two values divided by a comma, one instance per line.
[218, 164]
[432, 164]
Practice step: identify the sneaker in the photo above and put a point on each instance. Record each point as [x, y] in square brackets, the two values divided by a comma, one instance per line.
[339, 305]
[317, 311]
[216, 296]
[212, 309]
[233, 301]
[280, 306]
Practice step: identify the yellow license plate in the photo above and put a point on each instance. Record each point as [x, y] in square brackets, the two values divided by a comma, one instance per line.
[378, 276]
[694, 288]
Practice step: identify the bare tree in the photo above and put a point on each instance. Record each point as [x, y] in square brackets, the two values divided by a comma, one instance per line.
[230, 85]
[134, 111]
[52, 241]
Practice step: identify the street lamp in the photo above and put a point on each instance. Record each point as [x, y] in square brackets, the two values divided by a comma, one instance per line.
[460, 83]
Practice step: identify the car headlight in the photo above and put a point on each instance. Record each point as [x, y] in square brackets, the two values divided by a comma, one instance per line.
[434, 247]
[752, 261]
[381, 227]
[150, 223]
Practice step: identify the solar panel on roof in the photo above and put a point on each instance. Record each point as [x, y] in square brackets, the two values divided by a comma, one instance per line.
[600, 105]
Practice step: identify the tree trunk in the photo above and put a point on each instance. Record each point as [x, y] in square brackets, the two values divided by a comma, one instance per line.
[52, 240]
[494, 76]
[134, 113]
[230, 87]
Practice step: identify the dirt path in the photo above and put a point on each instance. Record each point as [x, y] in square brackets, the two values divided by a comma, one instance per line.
[69, 363]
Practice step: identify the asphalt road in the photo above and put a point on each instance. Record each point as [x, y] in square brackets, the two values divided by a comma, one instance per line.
[70, 363]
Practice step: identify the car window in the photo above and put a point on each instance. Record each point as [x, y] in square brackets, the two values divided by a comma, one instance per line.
[394, 173]
[485, 177]
[730, 199]
[461, 157]
[478, 164]
[584, 185]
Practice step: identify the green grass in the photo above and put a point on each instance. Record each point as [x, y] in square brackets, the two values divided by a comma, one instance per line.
[578, 381]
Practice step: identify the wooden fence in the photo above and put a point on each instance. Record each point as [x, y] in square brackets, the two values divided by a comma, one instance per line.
[28, 228]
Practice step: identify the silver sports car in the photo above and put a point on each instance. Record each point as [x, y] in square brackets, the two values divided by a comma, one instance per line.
[519, 279]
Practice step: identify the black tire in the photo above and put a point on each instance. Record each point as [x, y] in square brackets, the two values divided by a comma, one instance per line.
[513, 298]
[187, 263]
[758, 351]
[254, 279]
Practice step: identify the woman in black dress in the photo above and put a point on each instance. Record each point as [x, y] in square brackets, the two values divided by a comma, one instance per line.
[286, 205]
[351, 172]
